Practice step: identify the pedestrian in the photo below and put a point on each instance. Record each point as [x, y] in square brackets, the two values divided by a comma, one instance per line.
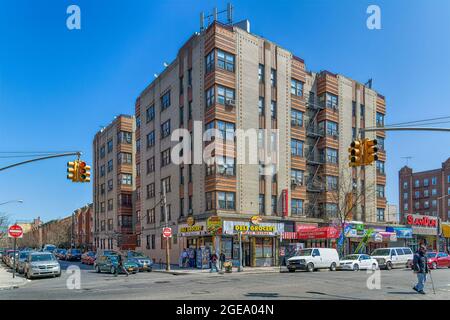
[222, 259]
[120, 266]
[185, 258]
[213, 261]
[420, 267]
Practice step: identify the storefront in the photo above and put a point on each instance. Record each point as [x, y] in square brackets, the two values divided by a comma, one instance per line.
[445, 237]
[198, 243]
[424, 231]
[260, 242]
[317, 237]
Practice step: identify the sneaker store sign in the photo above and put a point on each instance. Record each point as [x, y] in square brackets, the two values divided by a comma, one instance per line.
[426, 225]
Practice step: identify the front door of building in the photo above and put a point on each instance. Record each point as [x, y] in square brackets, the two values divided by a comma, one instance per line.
[246, 253]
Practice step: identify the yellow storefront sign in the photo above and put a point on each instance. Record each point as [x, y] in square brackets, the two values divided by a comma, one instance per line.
[191, 229]
[253, 228]
[446, 230]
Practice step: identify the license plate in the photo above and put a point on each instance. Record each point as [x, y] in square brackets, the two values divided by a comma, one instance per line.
[130, 269]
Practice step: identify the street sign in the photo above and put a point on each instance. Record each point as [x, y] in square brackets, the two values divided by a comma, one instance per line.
[167, 232]
[15, 231]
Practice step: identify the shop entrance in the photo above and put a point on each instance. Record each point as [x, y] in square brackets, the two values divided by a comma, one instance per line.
[246, 254]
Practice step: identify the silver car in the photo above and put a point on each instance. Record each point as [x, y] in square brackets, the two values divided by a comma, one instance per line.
[41, 264]
[22, 259]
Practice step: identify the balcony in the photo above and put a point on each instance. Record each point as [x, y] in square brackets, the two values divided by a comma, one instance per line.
[314, 132]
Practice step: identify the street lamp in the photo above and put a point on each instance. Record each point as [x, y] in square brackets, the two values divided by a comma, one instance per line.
[11, 201]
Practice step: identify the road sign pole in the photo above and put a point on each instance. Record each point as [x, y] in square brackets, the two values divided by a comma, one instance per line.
[14, 265]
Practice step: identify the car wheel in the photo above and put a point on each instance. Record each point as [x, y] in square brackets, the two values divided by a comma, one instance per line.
[374, 267]
[97, 268]
[58, 275]
[310, 267]
[333, 267]
[355, 267]
[112, 270]
[434, 265]
[388, 266]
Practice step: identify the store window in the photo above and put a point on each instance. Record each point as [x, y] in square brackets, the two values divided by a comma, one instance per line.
[264, 252]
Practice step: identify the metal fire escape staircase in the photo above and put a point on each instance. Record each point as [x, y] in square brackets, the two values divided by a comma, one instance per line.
[314, 161]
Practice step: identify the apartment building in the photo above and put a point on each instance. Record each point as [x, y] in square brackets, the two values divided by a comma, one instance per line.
[113, 185]
[83, 227]
[228, 78]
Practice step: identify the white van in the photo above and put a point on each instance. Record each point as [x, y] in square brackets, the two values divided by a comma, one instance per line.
[314, 258]
[389, 258]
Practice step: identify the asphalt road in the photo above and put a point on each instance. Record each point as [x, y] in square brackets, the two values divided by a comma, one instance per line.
[394, 284]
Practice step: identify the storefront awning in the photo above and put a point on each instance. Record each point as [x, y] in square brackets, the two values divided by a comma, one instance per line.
[319, 233]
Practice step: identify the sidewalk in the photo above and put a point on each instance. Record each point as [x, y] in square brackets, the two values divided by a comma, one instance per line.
[7, 281]
[175, 269]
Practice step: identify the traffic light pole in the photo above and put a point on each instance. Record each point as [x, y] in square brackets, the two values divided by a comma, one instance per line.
[58, 155]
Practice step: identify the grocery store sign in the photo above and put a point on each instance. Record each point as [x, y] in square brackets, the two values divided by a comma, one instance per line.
[185, 230]
[426, 225]
[235, 227]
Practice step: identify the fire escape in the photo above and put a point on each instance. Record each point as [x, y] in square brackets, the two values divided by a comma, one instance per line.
[314, 159]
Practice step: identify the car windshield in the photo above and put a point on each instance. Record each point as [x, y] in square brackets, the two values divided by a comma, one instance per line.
[91, 254]
[76, 251]
[135, 254]
[381, 252]
[113, 258]
[304, 253]
[351, 257]
[42, 257]
[23, 255]
[431, 254]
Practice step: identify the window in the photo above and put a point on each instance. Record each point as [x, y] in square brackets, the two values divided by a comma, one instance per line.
[297, 176]
[109, 146]
[433, 192]
[417, 194]
[166, 182]
[209, 97]
[151, 165]
[209, 61]
[225, 60]
[417, 205]
[110, 185]
[165, 129]
[296, 147]
[150, 190]
[433, 181]
[125, 200]
[110, 165]
[261, 204]
[332, 156]
[273, 109]
[150, 113]
[181, 207]
[448, 190]
[405, 185]
[426, 182]
[151, 139]
[433, 203]
[332, 128]
[125, 179]
[102, 170]
[226, 200]
[226, 130]
[296, 206]
[380, 167]
[190, 172]
[110, 204]
[190, 110]
[261, 106]
[274, 204]
[405, 196]
[138, 122]
[225, 165]
[426, 193]
[380, 143]
[448, 179]
[124, 137]
[165, 100]
[190, 77]
[417, 183]
[261, 73]
[362, 111]
[296, 118]
[273, 77]
[181, 121]
[138, 145]
[102, 152]
[332, 183]
[181, 175]
[102, 188]
[165, 157]
[181, 85]
[296, 88]
[353, 108]
[426, 204]
[353, 133]
[224, 95]
[380, 119]
[331, 101]
[210, 201]
[124, 158]
[331, 209]
[380, 191]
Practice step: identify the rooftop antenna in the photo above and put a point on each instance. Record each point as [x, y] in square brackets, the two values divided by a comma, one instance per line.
[215, 17]
[369, 83]
[407, 159]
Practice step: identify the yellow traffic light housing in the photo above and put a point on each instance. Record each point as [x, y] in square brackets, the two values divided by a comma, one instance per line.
[356, 153]
[370, 151]
[72, 170]
[84, 173]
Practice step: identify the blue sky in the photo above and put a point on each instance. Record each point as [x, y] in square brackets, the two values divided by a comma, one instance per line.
[58, 87]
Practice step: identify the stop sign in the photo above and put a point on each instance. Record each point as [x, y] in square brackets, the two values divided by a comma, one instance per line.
[15, 231]
[167, 232]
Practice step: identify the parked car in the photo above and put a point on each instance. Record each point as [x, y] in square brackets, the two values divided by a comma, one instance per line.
[145, 263]
[60, 254]
[356, 262]
[22, 257]
[438, 260]
[389, 258]
[314, 258]
[10, 258]
[41, 264]
[109, 263]
[73, 254]
[6, 256]
[49, 248]
[88, 257]
[110, 253]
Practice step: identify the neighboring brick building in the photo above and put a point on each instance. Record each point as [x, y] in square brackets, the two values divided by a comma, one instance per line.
[83, 227]
[229, 78]
[113, 184]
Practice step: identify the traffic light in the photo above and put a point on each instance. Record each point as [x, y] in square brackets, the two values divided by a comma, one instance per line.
[72, 170]
[355, 154]
[84, 173]
[370, 151]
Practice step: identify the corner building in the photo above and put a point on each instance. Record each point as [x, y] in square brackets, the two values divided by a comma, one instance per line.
[230, 79]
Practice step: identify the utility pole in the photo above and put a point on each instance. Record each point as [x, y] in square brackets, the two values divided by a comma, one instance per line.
[166, 220]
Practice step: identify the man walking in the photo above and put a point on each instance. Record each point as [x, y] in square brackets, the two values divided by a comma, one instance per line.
[420, 266]
[120, 266]
[222, 259]
[213, 261]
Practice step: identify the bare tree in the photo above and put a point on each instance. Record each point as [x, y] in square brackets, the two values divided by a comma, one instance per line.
[4, 220]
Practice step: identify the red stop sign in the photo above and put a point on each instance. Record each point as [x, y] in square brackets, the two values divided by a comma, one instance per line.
[15, 231]
[167, 232]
